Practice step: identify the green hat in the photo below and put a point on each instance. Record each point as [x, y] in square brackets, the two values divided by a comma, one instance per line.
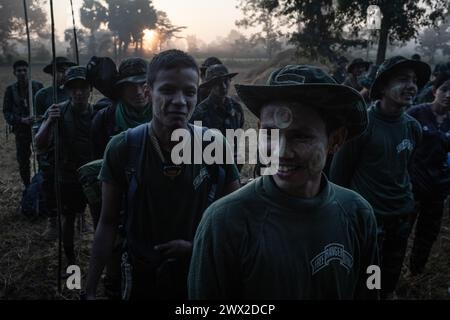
[313, 86]
[392, 65]
[358, 62]
[215, 74]
[60, 62]
[75, 73]
[132, 70]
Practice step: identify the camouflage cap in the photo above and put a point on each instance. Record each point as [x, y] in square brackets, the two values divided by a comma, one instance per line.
[391, 66]
[313, 86]
[132, 70]
[75, 73]
[60, 62]
[215, 74]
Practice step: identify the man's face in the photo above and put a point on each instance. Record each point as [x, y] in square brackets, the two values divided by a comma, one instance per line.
[174, 96]
[303, 145]
[60, 75]
[442, 95]
[401, 88]
[135, 95]
[358, 71]
[21, 74]
[79, 91]
[221, 89]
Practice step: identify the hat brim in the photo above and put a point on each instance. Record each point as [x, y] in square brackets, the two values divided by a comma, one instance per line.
[216, 80]
[421, 69]
[49, 68]
[365, 64]
[337, 99]
[133, 79]
[67, 84]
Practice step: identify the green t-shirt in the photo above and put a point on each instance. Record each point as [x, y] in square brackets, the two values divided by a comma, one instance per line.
[376, 163]
[165, 209]
[260, 243]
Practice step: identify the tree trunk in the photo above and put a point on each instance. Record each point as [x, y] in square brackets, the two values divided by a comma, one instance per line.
[382, 42]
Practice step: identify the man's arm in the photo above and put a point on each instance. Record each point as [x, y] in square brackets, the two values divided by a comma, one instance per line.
[8, 105]
[345, 161]
[105, 236]
[44, 135]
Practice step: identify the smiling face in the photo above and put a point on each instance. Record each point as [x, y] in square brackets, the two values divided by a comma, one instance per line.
[174, 96]
[303, 147]
[442, 96]
[401, 88]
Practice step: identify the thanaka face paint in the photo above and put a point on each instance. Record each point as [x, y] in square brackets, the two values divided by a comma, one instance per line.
[402, 88]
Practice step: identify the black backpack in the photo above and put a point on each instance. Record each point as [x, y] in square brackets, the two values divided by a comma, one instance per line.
[33, 203]
[102, 74]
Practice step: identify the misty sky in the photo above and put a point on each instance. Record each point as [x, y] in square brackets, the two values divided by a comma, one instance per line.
[207, 19]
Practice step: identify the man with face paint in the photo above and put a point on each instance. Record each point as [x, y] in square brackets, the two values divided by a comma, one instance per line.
[291, 235]
[74, 118]
[430, 173]
[376, 164]
[356, 71]
[218, 110]
[165, 201]
[16, 109]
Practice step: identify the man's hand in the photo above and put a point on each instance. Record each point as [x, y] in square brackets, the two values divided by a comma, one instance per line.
[54, 113]
[175, 249]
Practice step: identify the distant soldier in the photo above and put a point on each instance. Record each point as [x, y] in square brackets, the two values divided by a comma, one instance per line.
[376, 164]
[219, 111]
[44, 98]
[340, 74]
[426, 94]
[74, 116]
[16, 109]
[130, 110]
[356, 71]
[204, 92]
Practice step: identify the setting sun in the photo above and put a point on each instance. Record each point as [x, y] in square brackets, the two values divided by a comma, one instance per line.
[150, 38]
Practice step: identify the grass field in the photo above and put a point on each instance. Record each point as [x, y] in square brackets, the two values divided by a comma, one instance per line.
[28, 263]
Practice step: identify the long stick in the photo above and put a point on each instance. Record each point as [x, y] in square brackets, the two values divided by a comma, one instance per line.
[75, 35]
[30, 84]
[56, 138]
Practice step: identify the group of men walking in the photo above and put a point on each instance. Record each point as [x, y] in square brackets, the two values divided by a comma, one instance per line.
[166, 230]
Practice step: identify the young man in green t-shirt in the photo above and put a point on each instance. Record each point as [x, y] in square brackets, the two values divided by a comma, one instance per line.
[293, 235]
[164, 201]
[376, 164]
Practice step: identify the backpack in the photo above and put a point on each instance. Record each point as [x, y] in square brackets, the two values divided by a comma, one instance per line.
[102, 74]
[33, 203]
[88, 177]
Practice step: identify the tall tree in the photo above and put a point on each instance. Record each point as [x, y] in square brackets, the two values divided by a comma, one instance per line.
[434, 39]
[401, 19]
[12, 22]
[166, 30]
[262, 13]
[128, 20]
[92, 14]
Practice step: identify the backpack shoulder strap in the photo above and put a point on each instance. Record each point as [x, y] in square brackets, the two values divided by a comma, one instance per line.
[134, 139]
[215, 171]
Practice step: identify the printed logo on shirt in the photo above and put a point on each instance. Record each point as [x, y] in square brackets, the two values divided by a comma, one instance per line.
[200, 178]
[405, 145]
[425, 128]
[332, 252]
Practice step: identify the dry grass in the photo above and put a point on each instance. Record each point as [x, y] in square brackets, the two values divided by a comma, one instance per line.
[28, 263]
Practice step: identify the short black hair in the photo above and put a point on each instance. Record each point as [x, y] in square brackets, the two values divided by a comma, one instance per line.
[169, 59]
[20, 63]
[441, 79]
[416, 56]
